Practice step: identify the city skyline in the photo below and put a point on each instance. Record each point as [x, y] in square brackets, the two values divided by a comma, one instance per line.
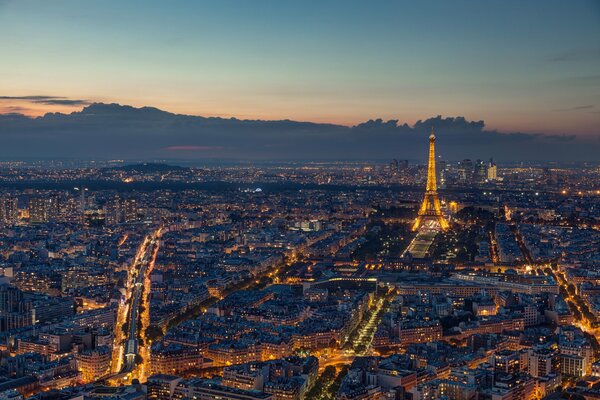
[285, 200]
[299, 281]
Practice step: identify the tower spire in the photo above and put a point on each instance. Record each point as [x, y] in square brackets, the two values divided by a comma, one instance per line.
[430, 209]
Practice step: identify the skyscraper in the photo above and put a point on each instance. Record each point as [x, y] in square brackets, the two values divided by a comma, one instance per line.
[43, 209]
[492, 171]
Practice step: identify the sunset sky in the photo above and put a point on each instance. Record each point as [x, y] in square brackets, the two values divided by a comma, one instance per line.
[525, 66]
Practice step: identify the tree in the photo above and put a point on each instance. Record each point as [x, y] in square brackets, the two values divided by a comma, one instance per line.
[328, 375]
[154, 332]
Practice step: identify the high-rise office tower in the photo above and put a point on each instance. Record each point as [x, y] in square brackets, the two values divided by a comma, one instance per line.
[492, 171]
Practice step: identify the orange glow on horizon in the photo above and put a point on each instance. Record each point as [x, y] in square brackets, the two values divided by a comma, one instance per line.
[347, 116]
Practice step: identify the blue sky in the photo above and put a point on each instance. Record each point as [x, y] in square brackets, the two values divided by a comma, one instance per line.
[530, 66]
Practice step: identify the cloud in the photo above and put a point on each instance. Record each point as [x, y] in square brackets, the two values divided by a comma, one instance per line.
[577, 55]
[104, 131]
[66, 102]
[16, 109]
[48, 100]
[576, 108]
[585, 80]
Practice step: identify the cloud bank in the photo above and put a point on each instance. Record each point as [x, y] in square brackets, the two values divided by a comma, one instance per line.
[105, 131]
[48, 100]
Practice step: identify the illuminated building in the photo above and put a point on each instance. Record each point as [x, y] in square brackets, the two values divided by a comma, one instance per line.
[576, 355]
[15, 312]
[495, 325]
[453, 207]
[249, 376]
[32, 345]
[542, 362]
[43, 209]
[127, 392]
[454, 288]
[75, 277]
[573, 365]
[314, 340]
[430, 208]
[120, 210]
[37, 210]
[286, 379]
[60, 339]
[419, 331]
[515, 283]
[596, 368]
[174, 359]
[197, 388]
[507, 361]
[93, 364]
[466, 172]
[11, 299]
[130, 210]
[275, 349]
[104, 317]
[484, 308]
[480, 171]
[47, 309]
[286, 389]
[492, 171]
[8, 210]
[513, 387]
[234, 353]
[161, 386]
[32, 282]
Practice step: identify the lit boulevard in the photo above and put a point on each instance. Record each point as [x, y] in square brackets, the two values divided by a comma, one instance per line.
[131, 357]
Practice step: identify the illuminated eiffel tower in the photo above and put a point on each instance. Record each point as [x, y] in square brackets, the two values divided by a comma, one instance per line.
[430, 208]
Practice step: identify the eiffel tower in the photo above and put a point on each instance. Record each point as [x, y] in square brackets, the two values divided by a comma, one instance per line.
[430, 208]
